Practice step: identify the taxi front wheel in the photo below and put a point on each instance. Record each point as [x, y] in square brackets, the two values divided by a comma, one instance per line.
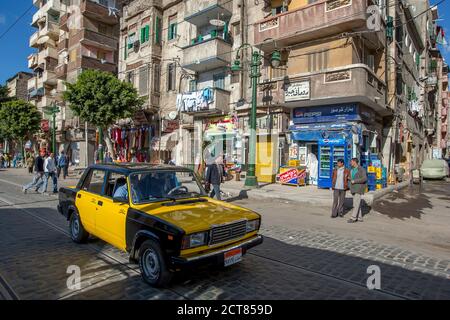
[152, 264]
[77, 232]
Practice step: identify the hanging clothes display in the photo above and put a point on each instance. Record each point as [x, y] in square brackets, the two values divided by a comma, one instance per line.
[131, 143]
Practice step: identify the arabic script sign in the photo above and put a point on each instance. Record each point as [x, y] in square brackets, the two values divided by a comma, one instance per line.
[296, 91]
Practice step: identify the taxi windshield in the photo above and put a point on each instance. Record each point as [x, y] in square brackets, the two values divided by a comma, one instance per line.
[164, 185]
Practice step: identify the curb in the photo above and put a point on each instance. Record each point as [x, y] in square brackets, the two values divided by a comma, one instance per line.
[369, 197]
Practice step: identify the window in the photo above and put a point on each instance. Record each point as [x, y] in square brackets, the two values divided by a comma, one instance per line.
[94, 182]
[143, 81]
[219, 81]
[131, 40]
[192, 85]
[156, 78]
[130, 77]
[145, 34]
[172, 32]
[101, 55]
[126, 48]
[158, 30]
[73, 55]
[370, 61]
[115, 180]
[171, 77]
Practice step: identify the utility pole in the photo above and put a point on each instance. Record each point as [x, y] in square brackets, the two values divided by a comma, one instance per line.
[53, 110]
[251, 179]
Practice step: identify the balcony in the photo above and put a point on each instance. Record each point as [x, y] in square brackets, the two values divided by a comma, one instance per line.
[33, 39]
[92, 63]
[51, 5]
[314, 21]
[32, 60]
[200, 12]
[354, 83]
[219, 103]
[98, 12]
[63, 22]
[95, 39]
[61, 71]
[207, 55]
[63, 45]
[48, 78]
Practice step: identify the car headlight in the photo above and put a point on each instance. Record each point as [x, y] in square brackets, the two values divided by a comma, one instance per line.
[194, 240]
[252, 225]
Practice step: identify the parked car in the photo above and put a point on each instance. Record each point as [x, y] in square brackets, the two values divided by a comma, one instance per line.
[160, 215]
[434, 169]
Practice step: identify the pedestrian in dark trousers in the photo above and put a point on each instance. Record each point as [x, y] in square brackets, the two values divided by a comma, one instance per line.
[214, 177]
[62, 164]
[38, 178]
[340, 186]
[50, 172]
[358, 181]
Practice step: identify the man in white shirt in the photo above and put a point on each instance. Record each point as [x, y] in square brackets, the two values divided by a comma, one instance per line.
[50, 172]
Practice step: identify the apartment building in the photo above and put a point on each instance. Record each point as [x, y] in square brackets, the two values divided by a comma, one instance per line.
[445, 119]
[18, 85]
[42, 87]
[88, 39]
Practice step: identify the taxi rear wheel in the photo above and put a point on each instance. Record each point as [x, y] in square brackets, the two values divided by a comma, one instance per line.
[76, 229]
[152, 264]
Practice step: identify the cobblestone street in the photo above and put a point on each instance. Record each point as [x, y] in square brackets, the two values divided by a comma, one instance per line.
[306, 255]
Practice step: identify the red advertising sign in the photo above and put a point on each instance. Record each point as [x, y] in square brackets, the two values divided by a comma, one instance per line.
[45, 125]
[288, 176]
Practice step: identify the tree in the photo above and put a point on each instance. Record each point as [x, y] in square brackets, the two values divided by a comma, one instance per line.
[4, 94]
[101, 99]
[19, 120]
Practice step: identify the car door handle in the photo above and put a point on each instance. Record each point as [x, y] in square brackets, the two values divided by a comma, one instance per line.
[78, 195]
[100, 203]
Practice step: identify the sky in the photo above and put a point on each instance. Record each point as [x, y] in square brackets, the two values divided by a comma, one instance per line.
[14, 48]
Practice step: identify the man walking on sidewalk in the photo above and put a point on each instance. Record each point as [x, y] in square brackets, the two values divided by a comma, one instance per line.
[63, 164]
[50, 172]
[38, 175]
[357, 188]
[340, 186]
[214, 176]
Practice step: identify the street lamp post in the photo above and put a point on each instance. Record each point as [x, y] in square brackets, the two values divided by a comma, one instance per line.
[53, 110]
[251, 179]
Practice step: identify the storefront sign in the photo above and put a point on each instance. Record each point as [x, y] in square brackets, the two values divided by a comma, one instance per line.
[326, 113]
[170, 125]
[45, 125]
[288, 176]
[296, 91]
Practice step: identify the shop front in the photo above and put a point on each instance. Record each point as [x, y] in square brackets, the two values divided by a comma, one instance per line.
[321, 135]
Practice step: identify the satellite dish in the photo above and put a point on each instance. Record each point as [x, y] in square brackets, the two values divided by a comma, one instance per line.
[172, 115]
[217, 22]
[43, 39]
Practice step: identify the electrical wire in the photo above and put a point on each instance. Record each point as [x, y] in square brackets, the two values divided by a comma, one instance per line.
[15, 22]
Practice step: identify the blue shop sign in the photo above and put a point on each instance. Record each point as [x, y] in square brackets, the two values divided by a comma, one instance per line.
[330, 113]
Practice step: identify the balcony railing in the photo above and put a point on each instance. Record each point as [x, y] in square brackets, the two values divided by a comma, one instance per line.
[32, 60]
[51, 5]
[199, 12]
[207, 54]
[205, 101]
[313, 21]
[95, 39]
[353, 83]
[61, 71]
[99, 12]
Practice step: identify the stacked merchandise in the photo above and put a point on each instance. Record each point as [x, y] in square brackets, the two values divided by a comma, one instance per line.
[132, 143]
[376, 177]
[371, 178]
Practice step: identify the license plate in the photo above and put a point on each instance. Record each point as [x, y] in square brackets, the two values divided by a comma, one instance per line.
[232, 257]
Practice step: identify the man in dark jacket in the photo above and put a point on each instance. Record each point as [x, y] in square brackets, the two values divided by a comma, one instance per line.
[214, 176]
[340, 186]
[38, 178]
[358, 180]
[62, 163]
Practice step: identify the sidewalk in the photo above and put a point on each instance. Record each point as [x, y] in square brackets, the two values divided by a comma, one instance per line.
[309, 194]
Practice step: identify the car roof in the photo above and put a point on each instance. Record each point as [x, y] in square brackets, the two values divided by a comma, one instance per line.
[127, 168]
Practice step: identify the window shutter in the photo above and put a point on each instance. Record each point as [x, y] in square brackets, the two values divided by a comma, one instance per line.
[147, 33]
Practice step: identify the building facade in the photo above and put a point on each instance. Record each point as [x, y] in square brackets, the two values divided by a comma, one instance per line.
[18, 85]
[72, 35]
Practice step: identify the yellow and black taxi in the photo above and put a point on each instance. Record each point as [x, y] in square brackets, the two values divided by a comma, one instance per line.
[160, 215]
